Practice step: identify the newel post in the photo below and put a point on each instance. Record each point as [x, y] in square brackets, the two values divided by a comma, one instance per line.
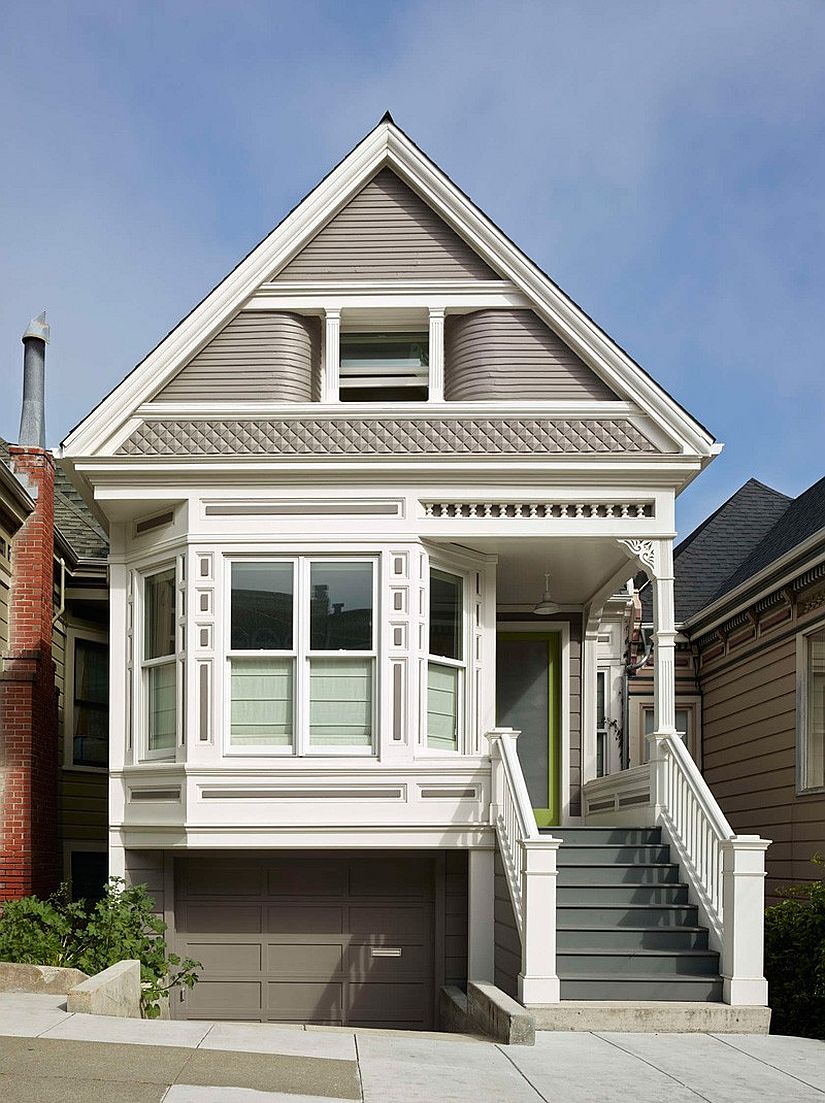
[538, 980]
[743, 911]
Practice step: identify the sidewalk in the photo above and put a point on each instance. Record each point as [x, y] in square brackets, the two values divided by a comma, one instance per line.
[48, 1056]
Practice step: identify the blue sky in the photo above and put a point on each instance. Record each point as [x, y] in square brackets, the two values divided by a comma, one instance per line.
[663, 161]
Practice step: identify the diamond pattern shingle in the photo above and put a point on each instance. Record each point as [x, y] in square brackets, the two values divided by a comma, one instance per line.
[354, 436]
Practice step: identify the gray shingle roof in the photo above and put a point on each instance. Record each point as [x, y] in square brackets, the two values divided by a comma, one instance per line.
[751, 530]
[713, 552]
[72, 517]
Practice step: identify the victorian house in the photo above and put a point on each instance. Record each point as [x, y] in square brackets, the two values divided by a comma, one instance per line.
[373, 507]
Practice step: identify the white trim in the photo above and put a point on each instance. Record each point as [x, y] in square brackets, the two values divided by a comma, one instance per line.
[563, 627]
[802, 710]
[386, 145]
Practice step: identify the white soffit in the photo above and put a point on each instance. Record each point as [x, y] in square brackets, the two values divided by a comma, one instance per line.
[385, 145]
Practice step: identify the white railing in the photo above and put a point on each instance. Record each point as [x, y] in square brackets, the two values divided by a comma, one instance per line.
[724, 871]
[695, 824]
[529, 860]
[511, 813]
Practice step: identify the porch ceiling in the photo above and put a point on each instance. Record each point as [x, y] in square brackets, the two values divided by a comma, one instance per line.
[578, 567]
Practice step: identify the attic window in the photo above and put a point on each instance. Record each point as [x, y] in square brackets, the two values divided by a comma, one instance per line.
[384, 367]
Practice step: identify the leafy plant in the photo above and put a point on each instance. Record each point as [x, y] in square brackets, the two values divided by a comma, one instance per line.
[795, 959]
[92, 937]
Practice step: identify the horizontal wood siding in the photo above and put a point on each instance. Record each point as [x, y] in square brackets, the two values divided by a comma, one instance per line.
[511, 355]
[82, 795]
[456, 886]
[261, 356]
[507, 953]
[749, 757]
[386, 232]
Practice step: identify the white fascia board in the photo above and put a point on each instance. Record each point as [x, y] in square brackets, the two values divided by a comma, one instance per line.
[648, 472]
[386, 144]
[421, 411]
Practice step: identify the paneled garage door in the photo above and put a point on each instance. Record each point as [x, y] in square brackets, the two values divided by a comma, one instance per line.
[308, 937]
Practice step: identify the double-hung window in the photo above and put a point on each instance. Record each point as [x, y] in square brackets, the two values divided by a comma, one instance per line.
[445, 668]
[811, 710]
[302, 656]
[159, 662]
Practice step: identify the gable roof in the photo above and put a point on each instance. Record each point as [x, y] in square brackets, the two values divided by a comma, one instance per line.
[422, 246]
[386, 146]
[754, 528]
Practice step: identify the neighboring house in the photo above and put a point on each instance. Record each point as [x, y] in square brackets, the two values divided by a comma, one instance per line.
[53, 666]
[369, 505]
[750, 605]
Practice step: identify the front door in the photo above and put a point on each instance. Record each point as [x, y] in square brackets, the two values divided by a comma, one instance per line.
[528, 677]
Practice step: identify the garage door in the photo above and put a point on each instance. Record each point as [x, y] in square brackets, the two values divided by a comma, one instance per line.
[342, 939]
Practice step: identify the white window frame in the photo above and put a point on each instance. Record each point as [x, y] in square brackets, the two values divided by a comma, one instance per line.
[603, 675]
[73, 634]
[144, 665]
[464, 709]
[301, 656]
[692, 741]
[802, 639]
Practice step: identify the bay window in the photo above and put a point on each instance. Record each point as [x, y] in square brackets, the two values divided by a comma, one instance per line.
[159, 663]
[445, 667]
[302, 656]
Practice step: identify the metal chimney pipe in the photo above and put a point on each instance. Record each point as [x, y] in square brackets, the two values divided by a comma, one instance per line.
[33, 415]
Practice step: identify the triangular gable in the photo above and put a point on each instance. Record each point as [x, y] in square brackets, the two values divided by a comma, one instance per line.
[387, 147]
[386, 231]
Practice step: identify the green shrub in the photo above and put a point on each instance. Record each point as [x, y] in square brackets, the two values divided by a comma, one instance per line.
[92, 937]
[795, 960]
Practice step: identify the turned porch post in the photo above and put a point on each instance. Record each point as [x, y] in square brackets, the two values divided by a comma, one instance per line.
[655, 557]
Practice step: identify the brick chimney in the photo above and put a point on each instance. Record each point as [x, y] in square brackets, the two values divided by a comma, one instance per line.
[28, 694]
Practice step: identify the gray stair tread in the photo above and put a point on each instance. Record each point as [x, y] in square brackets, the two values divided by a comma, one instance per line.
[617, 865]
[640, 952]
[601, 930]
[625, 907]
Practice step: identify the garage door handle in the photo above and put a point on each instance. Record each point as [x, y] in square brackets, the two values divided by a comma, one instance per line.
[385, 951]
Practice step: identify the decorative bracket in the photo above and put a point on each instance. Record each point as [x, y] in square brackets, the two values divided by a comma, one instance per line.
[644, 553]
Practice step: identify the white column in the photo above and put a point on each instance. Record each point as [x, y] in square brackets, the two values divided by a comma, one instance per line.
[332, 355]
[480, 950]
[743, 937]
[538, 981]
[436, 391]
[589, 671]
[664, 671]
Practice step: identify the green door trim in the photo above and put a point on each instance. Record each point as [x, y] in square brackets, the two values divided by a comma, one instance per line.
[547, 817]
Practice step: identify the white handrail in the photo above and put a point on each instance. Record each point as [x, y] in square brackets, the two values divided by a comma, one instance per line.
[695, 823]
[511, 813]
[530, 868]
[726, 871]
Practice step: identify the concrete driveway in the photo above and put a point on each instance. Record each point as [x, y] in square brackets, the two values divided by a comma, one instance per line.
[47, 1055]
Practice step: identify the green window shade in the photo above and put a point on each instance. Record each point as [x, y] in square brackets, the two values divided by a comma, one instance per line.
[162, 712]
[340, 702]
[442, 707]
[261, 710]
